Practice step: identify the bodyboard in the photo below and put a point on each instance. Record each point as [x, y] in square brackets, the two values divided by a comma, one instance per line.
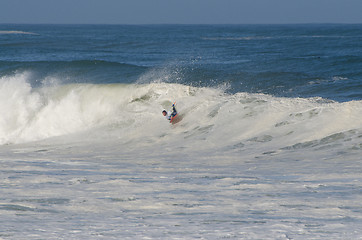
[175, 119]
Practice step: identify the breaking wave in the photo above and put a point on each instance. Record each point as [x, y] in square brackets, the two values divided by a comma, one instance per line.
[131, 115]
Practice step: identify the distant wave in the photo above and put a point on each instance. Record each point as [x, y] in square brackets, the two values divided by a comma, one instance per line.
[249, 38]
[18, 32]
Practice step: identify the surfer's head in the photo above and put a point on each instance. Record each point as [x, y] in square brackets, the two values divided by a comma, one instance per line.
[164, 112]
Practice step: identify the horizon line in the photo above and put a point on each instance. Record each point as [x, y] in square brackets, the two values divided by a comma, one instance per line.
[135, 24]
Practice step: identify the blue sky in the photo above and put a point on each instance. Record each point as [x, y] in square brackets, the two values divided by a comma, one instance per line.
[180, 11]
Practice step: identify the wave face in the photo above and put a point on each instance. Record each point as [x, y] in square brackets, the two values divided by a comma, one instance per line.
[131, 115]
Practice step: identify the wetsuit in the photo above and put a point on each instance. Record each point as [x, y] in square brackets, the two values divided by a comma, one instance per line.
[170, 115]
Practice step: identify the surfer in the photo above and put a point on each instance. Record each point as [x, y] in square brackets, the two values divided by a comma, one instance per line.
[170, 115]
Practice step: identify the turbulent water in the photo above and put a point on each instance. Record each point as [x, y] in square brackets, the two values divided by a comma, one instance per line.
[269, 144]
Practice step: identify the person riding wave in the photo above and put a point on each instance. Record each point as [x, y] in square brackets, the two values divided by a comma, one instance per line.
[170, 115]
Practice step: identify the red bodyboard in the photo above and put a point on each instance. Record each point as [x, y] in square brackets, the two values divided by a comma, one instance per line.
[175, 119]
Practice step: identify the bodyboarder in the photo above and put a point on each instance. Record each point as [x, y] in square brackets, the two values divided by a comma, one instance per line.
[170, 115]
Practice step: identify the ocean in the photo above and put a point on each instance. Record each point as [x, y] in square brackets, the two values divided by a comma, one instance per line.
[269, 145]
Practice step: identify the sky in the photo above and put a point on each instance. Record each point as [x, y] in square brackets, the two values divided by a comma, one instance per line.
[180, 11]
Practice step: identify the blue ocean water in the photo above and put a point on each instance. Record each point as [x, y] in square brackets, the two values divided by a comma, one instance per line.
[268, 146]
[281, 60]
